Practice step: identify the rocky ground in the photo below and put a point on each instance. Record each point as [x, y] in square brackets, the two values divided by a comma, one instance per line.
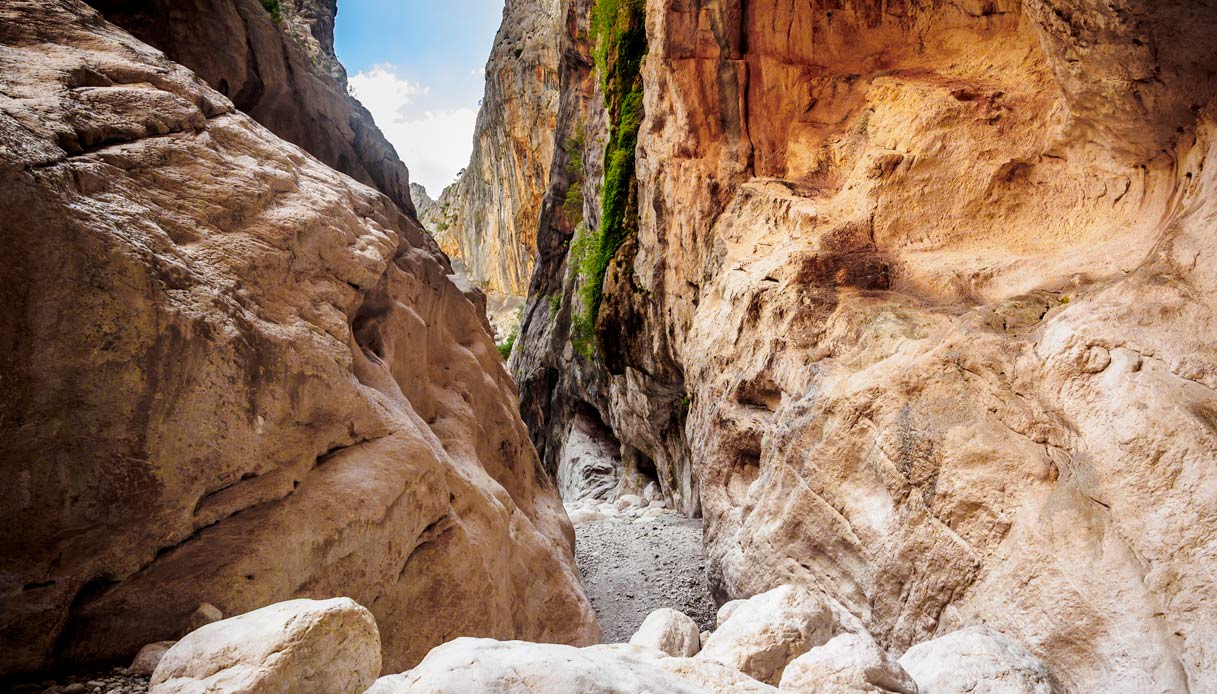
[116, 681]
[635, 560]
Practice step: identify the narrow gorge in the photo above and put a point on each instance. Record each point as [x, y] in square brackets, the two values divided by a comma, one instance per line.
[830, 346]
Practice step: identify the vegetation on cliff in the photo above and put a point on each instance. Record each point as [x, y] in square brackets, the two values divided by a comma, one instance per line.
[619, 32]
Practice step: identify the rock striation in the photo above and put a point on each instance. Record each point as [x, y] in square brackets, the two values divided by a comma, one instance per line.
[916, 312]
[234, 376]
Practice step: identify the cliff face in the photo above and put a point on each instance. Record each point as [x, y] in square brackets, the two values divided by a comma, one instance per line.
[494, 207]
[279, 68]
[233, 375]
[916, 312]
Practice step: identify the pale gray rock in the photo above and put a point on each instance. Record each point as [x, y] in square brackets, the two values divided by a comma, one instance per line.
[670, 632]
[847, 664]
[978, 660]
[767, 631]
[297, 647]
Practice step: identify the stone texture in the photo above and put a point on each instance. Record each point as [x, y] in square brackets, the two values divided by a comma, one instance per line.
[589, 462]
[234, 375]
[670, 632]
[204, 614]
[919, 314]
[298, 646]
[494, 208]
[149, 657]
[284, 74]
[977, 660]
[848, 664]
[769, 630]
[495, 667]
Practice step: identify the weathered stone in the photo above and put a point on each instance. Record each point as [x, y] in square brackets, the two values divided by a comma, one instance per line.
[976, 659]
[149, 657]
[769, 630]
[918, 313]
[847, 664]
[297, 646]
[235, 375]
[496, 667]
[205, 614]
[670, 632]
[275, 71]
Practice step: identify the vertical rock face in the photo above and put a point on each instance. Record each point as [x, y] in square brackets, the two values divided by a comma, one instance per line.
[279, 67]
[918, 313]
[494, 206]
[232, 375]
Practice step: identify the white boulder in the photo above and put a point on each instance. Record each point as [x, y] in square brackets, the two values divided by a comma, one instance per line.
[670, 632]
[977, 660]
[724, 612]
[767, 631]
[293, 647]
[847, 664]
[486, 666]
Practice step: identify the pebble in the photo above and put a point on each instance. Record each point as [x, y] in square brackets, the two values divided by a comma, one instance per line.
[116, 681]
[631, 567]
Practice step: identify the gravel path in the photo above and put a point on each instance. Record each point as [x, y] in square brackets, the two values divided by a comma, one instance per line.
[116, 681]
[632, 565]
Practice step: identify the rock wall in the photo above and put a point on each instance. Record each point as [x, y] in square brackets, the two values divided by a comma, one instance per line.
[279, 68]
[233, 375]
[917, 313]
[495, 205]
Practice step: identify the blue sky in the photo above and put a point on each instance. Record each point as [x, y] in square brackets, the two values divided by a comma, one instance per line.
[418, 66]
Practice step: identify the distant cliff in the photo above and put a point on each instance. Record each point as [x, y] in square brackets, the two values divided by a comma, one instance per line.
[493, 209]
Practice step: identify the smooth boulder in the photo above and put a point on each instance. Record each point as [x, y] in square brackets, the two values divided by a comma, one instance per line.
[297, 647]
[977, 660]
[487, 666]
[847, 664]
[149, 657]
[767, 631]
[670, 632]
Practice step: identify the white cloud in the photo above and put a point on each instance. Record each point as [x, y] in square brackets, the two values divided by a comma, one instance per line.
[434, 143]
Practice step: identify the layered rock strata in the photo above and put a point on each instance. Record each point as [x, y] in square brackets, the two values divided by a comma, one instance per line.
[918, 313]
[233, 375]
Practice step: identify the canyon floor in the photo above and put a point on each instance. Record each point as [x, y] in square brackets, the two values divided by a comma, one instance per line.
[631, 565]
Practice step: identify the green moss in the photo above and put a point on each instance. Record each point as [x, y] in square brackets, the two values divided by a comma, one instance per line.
[275, 9]
[619, 32]
[506, 346]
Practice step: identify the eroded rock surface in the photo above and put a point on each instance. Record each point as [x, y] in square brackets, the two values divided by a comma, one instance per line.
[918, 314]
[280, 68]
[232, 375]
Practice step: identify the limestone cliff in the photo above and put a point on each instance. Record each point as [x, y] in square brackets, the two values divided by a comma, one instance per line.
[278, 66]
[915, 302]
[494, 207]
[233, 375]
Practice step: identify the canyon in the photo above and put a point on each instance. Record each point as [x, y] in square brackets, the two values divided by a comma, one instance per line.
[911, 305]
